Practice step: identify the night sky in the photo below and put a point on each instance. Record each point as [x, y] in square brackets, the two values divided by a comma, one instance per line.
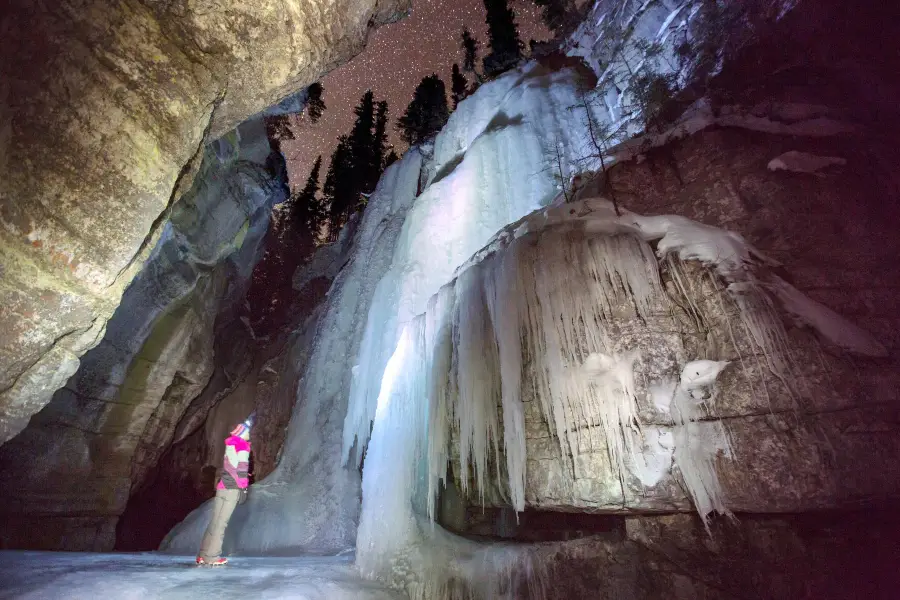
[397, 58]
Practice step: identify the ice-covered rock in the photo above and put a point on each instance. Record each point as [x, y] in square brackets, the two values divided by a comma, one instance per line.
[311, 503]
[492, 167]
[580, 412]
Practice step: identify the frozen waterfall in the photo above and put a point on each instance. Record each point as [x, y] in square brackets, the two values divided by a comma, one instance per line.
[474, 300]
[491, 167]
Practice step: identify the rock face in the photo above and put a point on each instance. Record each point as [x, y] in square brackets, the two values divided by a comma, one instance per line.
[106, 111]
[105, 430]
[788, 448]
[672, 556]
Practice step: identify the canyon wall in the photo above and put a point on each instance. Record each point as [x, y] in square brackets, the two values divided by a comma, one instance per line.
[104, 431]
[107, 109]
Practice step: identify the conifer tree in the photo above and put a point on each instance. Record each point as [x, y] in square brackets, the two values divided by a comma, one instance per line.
[426, 113]
[305, 211]
[506, 47]
[340, 192]
[470, 49]
[362, 142]
[278, 128]
[315, 106]
[555, 13]
[379, 145]
[459, 86]
[357, 162]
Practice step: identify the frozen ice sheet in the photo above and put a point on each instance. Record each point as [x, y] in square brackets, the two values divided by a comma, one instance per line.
[150, 576]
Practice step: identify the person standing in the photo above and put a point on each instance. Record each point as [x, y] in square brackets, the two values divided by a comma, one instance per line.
[235, 479]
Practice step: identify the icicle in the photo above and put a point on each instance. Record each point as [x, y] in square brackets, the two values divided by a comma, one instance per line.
[685, 288]
[612, 381]
[625, 270]
[767, 334]
[539, 309]
[698, 443]
[475, 409]
[828, 323]
[577, 284]
[502, 291]
[363, 395]
[438, 352]
[392, 457]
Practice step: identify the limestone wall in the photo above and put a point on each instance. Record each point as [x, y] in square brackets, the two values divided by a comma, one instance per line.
[106, 109]
[100, 436]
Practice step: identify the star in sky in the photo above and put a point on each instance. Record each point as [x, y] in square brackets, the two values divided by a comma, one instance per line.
[397, 57]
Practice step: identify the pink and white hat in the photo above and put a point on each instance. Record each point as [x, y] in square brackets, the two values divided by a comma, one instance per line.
[245, 426]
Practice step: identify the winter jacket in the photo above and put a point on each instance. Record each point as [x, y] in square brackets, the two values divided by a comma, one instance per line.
[235, 465]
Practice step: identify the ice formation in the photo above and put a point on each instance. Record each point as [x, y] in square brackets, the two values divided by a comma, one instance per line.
[699, 442]
[530, 318]
[803, 162]
[544, 300]
[490, 168]
[726, 251]
[654, 460]
[394, 542]
[828, 323]
[310, 503]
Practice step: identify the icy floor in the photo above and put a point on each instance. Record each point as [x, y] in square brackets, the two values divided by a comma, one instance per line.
[75, 576]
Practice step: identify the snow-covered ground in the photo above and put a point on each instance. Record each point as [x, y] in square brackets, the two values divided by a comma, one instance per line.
[148, 576]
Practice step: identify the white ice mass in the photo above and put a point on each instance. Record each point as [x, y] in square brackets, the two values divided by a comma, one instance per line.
[490, 168]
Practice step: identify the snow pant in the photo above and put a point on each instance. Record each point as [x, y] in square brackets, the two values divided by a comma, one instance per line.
[223, 506]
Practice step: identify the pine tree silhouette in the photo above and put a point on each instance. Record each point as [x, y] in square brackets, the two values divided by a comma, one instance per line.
[379, 145]
[315, 106]
[356, 163]
[305, 211]
[459, 86]
[340, 192]
[426, 113]
[278, 128]
[506, 47]
[362, 143]
[470, 49]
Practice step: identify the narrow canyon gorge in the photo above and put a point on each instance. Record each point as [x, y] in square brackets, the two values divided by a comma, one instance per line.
[626, 326]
